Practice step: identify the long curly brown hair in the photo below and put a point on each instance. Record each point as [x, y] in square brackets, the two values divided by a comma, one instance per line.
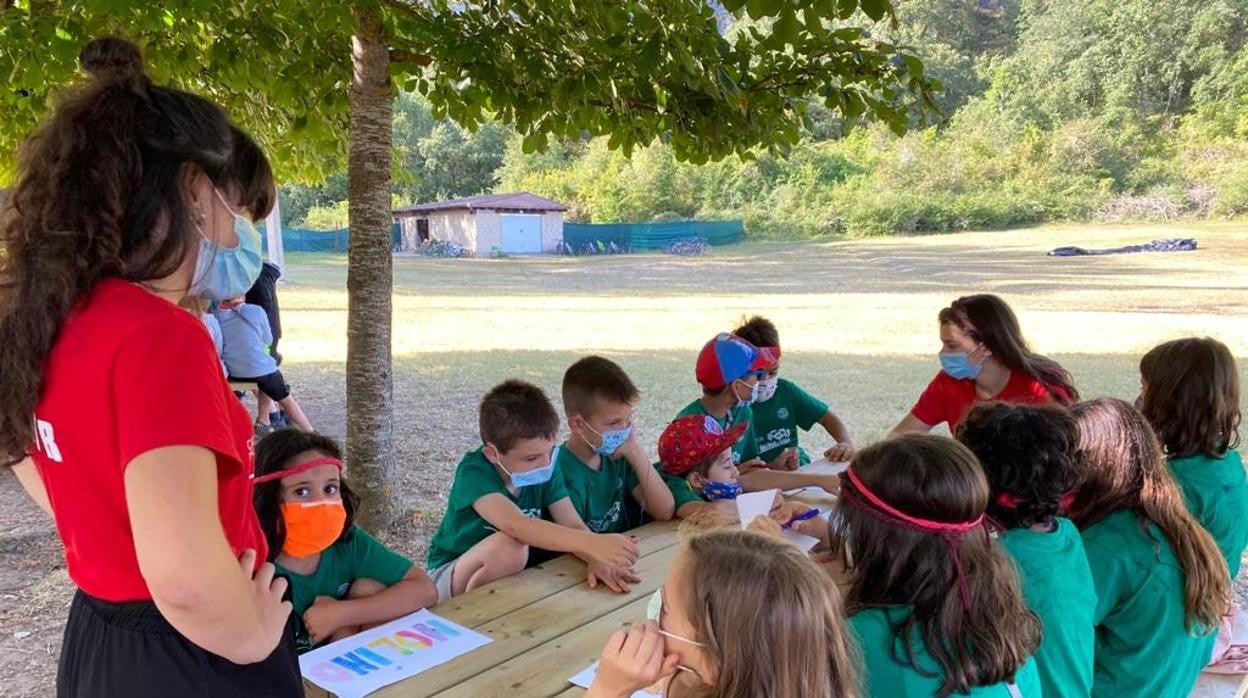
[99, 194]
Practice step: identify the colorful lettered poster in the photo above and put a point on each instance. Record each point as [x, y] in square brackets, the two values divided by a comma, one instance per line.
[392, 652]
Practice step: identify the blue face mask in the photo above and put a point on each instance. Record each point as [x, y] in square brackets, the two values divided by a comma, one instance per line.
[539, 476]
[611, 440]
[721, 490]
[959, 366]
[222, 272]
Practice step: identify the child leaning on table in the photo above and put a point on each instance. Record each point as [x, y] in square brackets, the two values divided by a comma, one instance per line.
[740, 614]
[501, 493]
[342, 580]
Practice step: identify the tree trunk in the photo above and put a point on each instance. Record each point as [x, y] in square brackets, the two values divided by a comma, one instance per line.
[370, 279]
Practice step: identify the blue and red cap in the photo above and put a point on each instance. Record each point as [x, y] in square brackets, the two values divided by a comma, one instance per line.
[727, 358]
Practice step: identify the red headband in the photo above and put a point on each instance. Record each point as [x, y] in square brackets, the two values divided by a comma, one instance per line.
[301, 468]
[949, 531]
[922, 524]
[1009, 501]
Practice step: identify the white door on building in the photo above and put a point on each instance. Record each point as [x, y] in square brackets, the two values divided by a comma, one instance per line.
[520, 233]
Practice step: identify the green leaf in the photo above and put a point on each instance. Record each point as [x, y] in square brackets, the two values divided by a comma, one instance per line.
[875, 9]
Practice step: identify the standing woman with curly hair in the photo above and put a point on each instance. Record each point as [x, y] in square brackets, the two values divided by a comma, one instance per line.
[127, 201]
[984, 357]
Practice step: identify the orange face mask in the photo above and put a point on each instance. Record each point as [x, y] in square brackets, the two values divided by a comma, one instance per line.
[312, 526]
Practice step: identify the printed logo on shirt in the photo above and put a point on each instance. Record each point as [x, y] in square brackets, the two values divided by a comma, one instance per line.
[776, 438]
[45, 440]
[532, 513]
[607, 521]
[342, 590]
[783, 413]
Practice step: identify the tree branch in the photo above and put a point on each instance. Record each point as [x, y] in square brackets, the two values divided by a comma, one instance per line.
[402, 55]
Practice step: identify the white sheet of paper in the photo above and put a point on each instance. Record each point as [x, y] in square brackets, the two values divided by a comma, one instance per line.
[801, 540]
[402, 648]
[823, 466]
[751, 504]
[586, 677]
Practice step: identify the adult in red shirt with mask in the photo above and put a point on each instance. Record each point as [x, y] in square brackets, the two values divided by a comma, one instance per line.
[130, 198]
[984, 357]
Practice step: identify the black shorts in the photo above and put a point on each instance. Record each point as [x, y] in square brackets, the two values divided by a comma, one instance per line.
[129, 649]
[273, 385]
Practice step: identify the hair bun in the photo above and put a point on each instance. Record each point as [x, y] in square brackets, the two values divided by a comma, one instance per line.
[111, 57]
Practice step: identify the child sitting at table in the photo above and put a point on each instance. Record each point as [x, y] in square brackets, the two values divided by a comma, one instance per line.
[245, 329]
[342, 580]
[783, 407]
[695, 455]
[502, 492]
[740, 614]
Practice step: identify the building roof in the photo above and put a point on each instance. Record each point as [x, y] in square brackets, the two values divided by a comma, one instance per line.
[518, 201]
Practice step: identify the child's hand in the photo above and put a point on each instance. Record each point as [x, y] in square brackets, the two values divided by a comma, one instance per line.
[788, 509]
[817, 527]
[612, 550]
[321, 619]
[617, 579]
[632, 660]
[840, 452]
[752, 464]
[766, 526]
[632, 450]
[787, 460]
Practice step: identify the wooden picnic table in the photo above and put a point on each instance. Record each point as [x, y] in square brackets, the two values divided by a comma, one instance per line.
[546, 623]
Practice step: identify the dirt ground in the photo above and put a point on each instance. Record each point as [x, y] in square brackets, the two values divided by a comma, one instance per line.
[858, 320]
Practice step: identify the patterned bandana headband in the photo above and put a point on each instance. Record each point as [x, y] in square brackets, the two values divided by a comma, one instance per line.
[301, 468]
[861, 497]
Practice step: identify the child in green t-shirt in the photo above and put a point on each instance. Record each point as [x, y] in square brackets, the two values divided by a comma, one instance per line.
[1189, 391]
[502, 493]
[925, 576]
[341, 579]
[1027, 452]
[604, 467]
[1161, 583]
[783, 407]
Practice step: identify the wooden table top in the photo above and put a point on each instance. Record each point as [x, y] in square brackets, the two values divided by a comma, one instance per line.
[546, 623]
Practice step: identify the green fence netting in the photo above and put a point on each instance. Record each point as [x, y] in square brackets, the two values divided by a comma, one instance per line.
[651, 236]
[302, 240]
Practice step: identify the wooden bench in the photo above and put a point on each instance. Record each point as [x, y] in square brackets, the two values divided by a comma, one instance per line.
[546, 623]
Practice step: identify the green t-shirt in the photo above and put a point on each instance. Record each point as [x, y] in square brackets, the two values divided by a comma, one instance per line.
[359, 557]
[775, 422]
[1057, 584]
[886, 677]
[1216, 492]
[1143, 647]
[602, 497]
[746, 448]
[463, 527]
[682, 493]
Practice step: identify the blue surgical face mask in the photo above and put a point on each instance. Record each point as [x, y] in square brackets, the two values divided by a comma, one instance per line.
[611, 440]
[223, 272]
[721, 490]
[540, 476]
[958, 365]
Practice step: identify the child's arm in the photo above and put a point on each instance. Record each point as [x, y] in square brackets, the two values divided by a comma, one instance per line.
[610, 549]
[412, 593]
[651, 492]
[616, 577]
[763, 479]
[844, 448]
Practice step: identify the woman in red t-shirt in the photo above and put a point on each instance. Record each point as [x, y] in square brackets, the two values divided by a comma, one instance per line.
[984, 357]
[127, 201]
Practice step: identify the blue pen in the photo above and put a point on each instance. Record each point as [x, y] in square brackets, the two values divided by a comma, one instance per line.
[810, 514]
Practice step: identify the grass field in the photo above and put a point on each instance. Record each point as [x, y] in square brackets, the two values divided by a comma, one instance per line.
[857, 321]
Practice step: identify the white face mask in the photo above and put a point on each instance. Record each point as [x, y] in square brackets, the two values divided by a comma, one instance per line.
[767, 388]
[654, 611]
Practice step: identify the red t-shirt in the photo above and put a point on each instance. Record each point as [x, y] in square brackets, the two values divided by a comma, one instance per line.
[948, 399]
[129, 373]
